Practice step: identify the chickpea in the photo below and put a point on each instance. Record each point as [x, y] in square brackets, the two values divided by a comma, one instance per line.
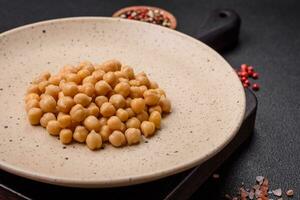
[43, 85]
[53, 127]
[130, 112]
[33, 103]
[143, 88]
[98, 75]
[72, 77]
[142, 116]
[105, 133]
[89, 79]
[68, 69]
[117, 138]
[133, 123]
[129, 71]
[107, 109]
[110, 93]
[121, 74]
[143, 80]
[38, 79]
[34, 116]
[134, 82]
[155, 117]
[110, 78]
[69, 89]
[31, 96]
[33, 88]
[46, 118]
[64, 104]
[99, 100]
[92, 123]
[123, 80]
[87, 88]
[93, 140]
[135, 92]
[111, 66]
[87, 65]
[155, 108]
[161, 92]
[141, 74]
[153, 85]
[148, 128]
[165, 104]
[80, 134]
[64, 120]
[137, 105]
[52, 90]
[48, 104]
[42, 77]
[117, 101]
[93, 110]
[54, 80]
[78, 113]
[133, 136]
[65, 136]
[61, 83]
[151, 97]
[123, 127]
[102, 88]
[122, 114]
[83, 73]
[114, 123]
[60, 95]
[128, 101]
[74, 125]
[103, 121]
[82, 99]
[123, 89]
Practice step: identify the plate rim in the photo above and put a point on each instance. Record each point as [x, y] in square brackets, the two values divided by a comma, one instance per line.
[142, 178]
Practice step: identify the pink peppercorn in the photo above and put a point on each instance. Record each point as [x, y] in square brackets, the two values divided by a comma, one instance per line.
[244, 68]
[245, 74]
[245, 85]
[255, 75]
[250, 68]
[255, 86]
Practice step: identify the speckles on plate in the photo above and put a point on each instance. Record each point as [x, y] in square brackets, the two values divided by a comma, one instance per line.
[5, 126]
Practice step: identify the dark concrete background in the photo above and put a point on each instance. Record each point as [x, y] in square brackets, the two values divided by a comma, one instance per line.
[269, 40]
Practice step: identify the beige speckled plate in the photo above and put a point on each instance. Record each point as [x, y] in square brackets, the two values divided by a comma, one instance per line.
[208, 101]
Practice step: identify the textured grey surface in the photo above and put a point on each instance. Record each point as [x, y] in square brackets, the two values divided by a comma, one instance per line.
[269, 40]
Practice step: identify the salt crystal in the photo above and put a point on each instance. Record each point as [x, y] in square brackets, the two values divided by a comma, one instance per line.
[260, 179]
[277, 192]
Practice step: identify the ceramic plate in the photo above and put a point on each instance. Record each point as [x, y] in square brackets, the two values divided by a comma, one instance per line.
[207, 97]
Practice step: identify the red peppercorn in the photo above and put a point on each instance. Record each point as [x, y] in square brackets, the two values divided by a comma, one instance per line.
[244, 68]
[255, 86]
[255, 75]
[243, 78]
[247, 81]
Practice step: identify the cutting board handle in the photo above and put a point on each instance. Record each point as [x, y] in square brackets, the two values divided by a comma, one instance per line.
[221, 29]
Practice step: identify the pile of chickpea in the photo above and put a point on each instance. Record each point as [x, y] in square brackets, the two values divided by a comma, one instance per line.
[97, 103]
